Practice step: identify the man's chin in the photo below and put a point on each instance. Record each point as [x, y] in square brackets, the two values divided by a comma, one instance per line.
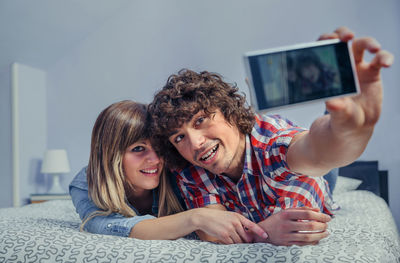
[215, 167]
[215, 170]
[209, 167]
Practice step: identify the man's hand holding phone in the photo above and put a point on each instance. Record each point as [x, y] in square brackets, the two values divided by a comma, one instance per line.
[363, 110]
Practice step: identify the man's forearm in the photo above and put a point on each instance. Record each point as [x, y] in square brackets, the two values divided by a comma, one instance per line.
[324, 147]
[285, 227]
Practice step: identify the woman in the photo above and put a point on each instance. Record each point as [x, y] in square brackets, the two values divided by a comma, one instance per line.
[124, 190]
[315, 79]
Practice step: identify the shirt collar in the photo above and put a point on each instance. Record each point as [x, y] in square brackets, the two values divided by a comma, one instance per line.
[247, 167]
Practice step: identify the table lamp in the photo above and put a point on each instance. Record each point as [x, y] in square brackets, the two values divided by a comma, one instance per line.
[55, 163]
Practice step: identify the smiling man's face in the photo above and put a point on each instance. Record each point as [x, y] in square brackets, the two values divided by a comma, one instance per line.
[209, 141]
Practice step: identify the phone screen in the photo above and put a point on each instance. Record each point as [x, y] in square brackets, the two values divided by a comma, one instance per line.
[292, 76]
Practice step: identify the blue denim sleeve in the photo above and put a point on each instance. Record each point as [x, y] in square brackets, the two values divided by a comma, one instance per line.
[331, 177]
[113, 224]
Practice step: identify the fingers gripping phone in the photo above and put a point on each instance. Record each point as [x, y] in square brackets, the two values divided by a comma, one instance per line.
[301, 73]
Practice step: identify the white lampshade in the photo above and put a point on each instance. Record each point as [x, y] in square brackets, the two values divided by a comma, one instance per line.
[55, 162]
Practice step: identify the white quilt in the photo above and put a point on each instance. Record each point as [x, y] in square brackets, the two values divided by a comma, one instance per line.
[362, 231]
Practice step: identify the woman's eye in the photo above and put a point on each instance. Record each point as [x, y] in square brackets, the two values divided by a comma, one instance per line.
[137, 149]
[178, 138]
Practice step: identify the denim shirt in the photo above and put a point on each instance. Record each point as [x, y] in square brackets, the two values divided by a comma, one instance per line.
[113, 224]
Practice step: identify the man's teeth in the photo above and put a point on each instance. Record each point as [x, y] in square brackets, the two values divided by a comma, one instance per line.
[210, 154]
[153, 171]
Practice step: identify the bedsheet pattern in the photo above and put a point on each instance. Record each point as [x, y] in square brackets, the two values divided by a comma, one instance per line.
[362, 231]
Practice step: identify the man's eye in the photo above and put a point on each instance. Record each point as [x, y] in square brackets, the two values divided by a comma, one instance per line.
[178, 138]
[199, 120]
[137, 149]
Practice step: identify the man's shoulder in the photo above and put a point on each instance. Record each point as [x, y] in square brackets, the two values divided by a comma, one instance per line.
[266, 126]
[272, 122]
[269, 127]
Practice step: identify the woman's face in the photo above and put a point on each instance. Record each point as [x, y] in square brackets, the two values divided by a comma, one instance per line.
[142, 166]
[311, 73]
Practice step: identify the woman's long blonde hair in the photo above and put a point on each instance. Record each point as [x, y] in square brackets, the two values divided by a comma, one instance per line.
[116, 128]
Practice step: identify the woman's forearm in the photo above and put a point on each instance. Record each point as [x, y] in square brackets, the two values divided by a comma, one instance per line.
[167, 227]
[227, 227]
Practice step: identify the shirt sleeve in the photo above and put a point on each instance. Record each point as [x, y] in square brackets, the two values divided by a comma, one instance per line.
[291, 189]
[197, 187]
[113, 224]
[304, 191]
[177, 192]
[279, 133]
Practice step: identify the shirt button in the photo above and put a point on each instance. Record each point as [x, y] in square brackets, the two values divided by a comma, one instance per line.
[226, 203]
[252, 209]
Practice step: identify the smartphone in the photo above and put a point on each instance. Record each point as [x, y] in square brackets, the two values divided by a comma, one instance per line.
[301, 73]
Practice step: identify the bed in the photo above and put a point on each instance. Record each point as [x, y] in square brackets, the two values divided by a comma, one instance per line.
[362, 231]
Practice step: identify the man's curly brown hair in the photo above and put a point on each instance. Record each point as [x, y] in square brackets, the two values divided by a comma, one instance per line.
[184, 95]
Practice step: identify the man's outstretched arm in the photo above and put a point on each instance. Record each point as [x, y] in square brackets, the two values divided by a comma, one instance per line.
[339, 138]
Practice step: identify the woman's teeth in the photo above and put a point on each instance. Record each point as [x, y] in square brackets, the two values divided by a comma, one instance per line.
[153, 171]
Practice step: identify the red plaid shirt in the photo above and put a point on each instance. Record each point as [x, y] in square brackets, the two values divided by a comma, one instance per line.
[266, 185]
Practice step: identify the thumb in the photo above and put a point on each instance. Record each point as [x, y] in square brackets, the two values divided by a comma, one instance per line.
[253, 227]
[335, 105]
[341, 109]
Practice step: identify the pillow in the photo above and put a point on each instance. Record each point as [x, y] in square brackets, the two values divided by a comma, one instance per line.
[346, 184]
[366, 171]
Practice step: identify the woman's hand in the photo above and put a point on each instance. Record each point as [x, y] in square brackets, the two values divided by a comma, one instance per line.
[226, 227]
[295, 226]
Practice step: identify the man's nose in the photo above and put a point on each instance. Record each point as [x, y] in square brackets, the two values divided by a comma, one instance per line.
[196, 139]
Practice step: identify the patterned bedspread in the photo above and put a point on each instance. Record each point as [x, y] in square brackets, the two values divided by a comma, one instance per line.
[362, 231]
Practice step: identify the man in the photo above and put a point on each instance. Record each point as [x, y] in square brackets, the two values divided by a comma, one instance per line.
[225, 157]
